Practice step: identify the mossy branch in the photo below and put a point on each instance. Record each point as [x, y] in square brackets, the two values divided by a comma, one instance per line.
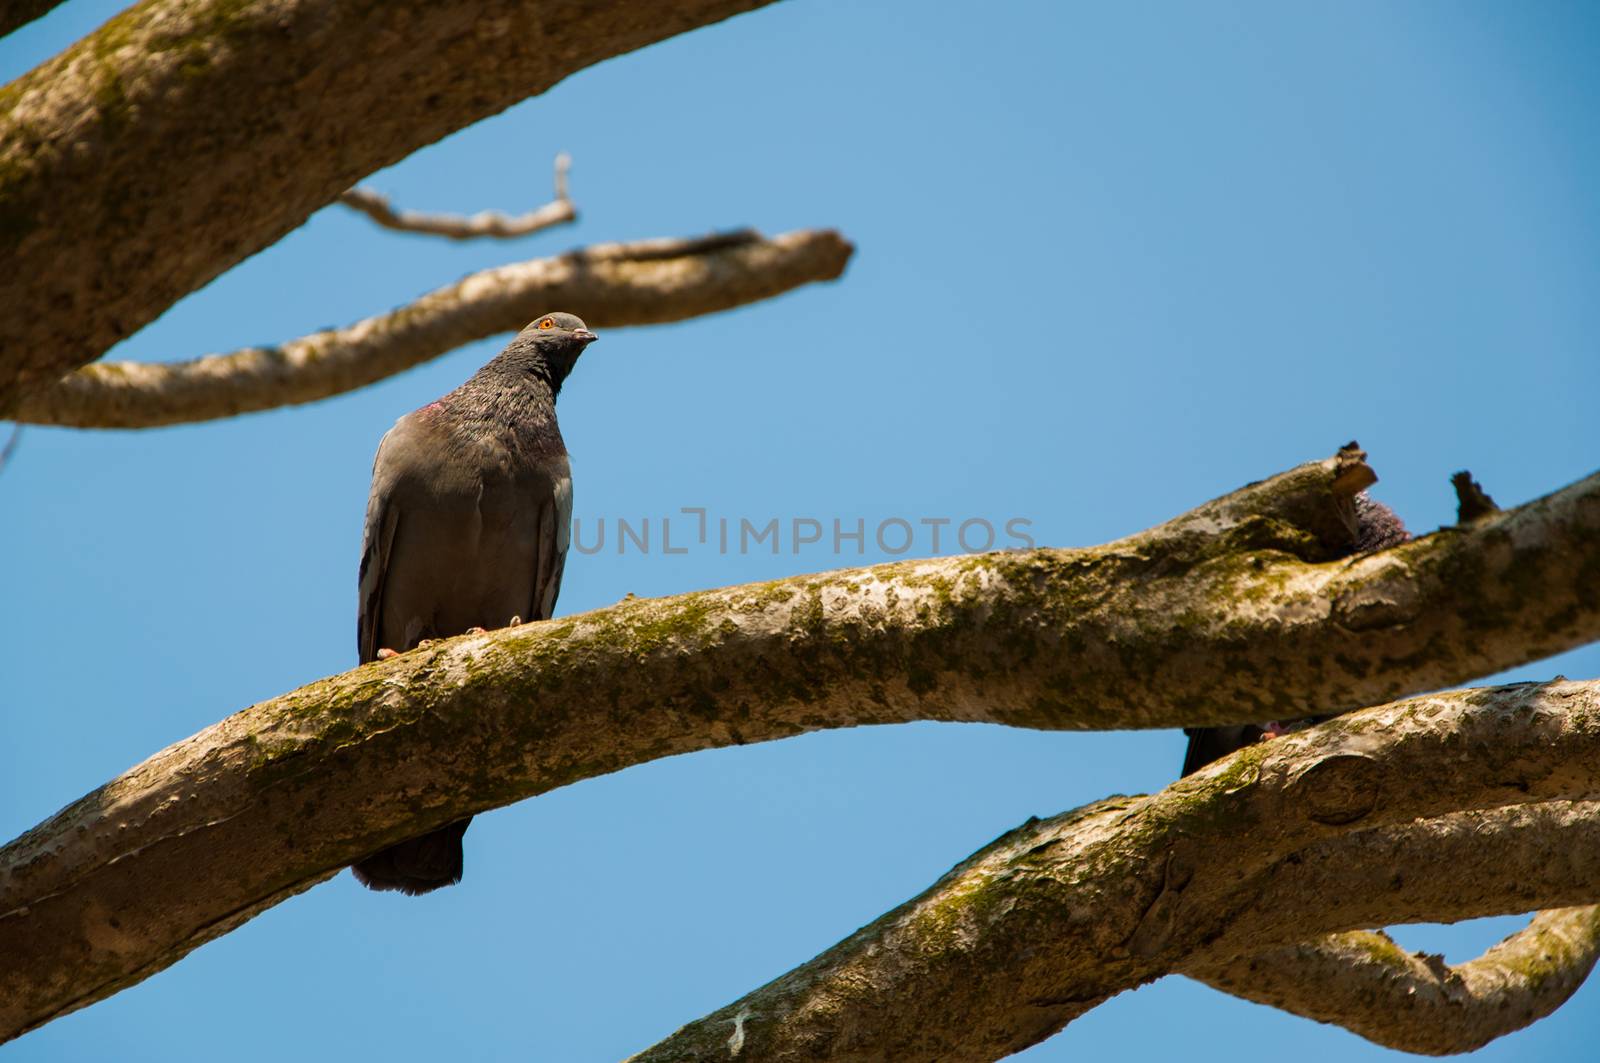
[1415, 1002]
[1225, 615]
[645, 282]
[1058, 915]
[230, 122]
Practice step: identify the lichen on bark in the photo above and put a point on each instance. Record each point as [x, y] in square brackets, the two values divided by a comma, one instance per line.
[1193, 622]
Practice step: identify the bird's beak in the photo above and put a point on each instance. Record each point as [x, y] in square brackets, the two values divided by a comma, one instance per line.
[584, 335]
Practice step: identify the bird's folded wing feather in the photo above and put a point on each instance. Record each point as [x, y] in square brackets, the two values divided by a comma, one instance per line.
[376, 543]
[555, 524]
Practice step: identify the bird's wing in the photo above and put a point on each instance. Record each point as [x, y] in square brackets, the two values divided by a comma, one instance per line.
[555, 526]
[385, 514]
[376, 542]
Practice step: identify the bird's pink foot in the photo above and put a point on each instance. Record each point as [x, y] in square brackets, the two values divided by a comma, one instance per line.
[385, 653]
[475, 631]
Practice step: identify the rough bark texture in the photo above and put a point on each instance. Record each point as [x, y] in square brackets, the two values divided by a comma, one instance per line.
[1209, 619]
[644, 282]
[1416, 1002]
[1058, 915]
[184, 135]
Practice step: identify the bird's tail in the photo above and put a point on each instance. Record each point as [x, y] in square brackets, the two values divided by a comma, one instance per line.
[1213, 743]
[418, 865]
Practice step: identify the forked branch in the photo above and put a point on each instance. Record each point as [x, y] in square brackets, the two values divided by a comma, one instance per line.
[1224, 615]
[231, 122]
[1345, 825]
[1416, 1002]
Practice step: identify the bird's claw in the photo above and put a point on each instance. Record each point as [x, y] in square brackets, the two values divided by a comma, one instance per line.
[385, 653]
[475, 631]
[1273, 729]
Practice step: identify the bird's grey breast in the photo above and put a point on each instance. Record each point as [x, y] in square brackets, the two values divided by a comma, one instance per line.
[454, 531]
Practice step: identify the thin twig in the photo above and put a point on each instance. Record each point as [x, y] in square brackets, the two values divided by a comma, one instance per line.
[490, 223]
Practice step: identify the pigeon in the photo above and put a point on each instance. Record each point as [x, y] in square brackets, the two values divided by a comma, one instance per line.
[467, 529]
[1377, 528]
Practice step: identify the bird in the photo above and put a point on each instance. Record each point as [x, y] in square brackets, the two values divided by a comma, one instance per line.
[1377, 528]
[467, 528]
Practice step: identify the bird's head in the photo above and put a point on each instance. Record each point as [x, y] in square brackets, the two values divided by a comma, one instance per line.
[552, 342]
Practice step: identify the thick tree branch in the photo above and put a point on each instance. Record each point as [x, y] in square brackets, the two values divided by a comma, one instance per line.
[1204, 620]
[1058, 915]
[1416, 1002]
[185, 135]
[490, 223]
[1544, 854]
[645, 282]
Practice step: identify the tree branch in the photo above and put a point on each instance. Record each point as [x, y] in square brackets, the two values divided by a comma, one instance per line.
[1204, 620]
[608, 285]
[493, 223]
[232, 122]
[1471, 500]
[1056, 916]
[1363, 981]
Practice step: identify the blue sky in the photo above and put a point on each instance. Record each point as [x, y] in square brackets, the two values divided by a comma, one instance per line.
[1113, 260]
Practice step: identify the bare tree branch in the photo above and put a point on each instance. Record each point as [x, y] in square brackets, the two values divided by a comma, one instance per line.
[1056, 916]
[230, 122]
[1203, 620]
[1416, 1002]
[1541, 852]
[493, 223]
[1471, 500]
[608, 285]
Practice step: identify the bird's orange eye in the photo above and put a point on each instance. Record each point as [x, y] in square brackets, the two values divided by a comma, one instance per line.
[548, 322]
